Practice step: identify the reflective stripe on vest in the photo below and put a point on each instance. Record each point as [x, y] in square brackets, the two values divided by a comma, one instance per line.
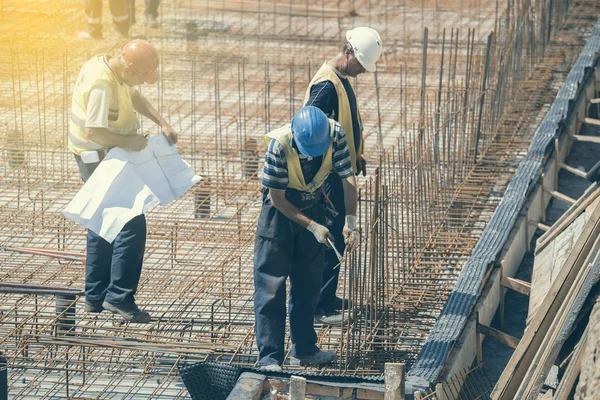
[78, 142]
[81, 124]
[296, 181]
[326, 73]
[95, 72]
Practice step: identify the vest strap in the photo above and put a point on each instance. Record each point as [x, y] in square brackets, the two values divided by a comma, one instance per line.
[81, 124]
[76, 120]
[327, 73]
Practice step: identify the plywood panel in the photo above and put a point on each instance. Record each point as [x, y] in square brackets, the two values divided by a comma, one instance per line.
[548, 262]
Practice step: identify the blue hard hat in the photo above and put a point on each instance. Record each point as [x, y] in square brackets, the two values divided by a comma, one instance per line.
[310, 128]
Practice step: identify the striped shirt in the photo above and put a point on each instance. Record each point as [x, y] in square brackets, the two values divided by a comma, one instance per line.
[275, 173]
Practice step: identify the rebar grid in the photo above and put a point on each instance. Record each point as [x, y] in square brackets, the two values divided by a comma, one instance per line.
[420, 213]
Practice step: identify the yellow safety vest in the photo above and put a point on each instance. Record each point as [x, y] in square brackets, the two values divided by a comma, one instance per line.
[326, 73]
[94, 72]
[295, 176]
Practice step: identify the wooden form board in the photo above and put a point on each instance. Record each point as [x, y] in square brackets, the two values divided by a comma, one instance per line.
[521, 360]
[250, 386]
[562, 324]
[547, 263]
[574, 368]
[330, 390]
[589, 196]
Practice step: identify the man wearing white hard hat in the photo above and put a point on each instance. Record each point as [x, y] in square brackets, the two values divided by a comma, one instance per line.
[331, 91]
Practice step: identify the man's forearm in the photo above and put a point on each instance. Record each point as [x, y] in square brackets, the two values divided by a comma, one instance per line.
[291, 211]
[350, 195]
[106, 138]
[143, 106]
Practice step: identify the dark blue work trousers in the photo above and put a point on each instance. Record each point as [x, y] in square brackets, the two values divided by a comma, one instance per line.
[335, 192]
[113, 270]
[151, 9]
[283, 248]
[119, 10]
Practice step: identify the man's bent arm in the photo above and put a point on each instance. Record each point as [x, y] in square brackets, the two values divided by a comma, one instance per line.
[288, 209]
[106, 138]
[143, 106]
[350, 195]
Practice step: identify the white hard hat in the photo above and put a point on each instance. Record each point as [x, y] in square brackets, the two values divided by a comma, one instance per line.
[366, 44]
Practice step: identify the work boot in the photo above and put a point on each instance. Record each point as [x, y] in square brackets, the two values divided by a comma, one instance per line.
[130, 312]
[93, 306]
[123, 30]
[333, 318]
[270, 368]
[341, 304]
[319, 358]
[151, 21]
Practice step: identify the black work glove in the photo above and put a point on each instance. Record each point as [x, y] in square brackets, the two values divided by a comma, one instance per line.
[361, 165]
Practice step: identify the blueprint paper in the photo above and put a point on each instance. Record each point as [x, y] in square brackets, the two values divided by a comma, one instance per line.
[127, 184]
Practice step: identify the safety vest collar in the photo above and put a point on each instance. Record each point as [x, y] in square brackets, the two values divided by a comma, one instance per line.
[106, 59]
[327, 73]
[296, 180]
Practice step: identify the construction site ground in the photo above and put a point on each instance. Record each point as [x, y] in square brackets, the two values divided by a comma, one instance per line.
[230, 72]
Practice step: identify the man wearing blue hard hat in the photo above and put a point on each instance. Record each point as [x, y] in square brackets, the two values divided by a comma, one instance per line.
[330, 90]
[291, 236]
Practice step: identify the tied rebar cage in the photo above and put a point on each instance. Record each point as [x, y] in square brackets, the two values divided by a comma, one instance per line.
[440, 117]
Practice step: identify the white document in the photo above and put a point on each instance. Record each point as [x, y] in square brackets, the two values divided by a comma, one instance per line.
[127, 184]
